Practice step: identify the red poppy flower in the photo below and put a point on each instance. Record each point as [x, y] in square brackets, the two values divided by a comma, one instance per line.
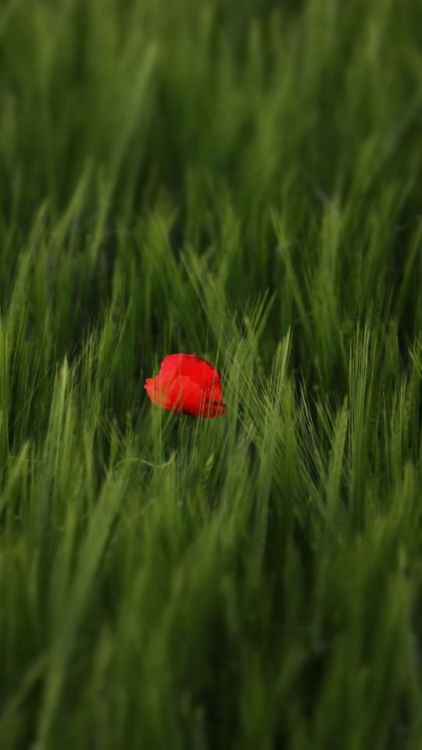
[187, 384]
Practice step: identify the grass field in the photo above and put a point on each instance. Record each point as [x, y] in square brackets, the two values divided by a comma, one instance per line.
[242, 181]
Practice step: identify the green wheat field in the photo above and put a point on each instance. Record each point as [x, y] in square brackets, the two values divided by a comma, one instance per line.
[240, 181]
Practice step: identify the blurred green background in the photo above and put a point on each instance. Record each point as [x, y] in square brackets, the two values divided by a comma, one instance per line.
[242, 181]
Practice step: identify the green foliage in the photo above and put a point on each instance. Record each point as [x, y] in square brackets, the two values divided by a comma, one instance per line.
[242, 182]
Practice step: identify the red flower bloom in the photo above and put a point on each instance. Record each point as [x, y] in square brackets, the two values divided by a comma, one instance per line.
[187, 384]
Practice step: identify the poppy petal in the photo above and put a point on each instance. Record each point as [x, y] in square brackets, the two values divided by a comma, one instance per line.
[186, 383]
[199, 370]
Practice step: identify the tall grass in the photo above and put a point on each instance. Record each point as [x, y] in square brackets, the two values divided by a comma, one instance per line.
[242, 182]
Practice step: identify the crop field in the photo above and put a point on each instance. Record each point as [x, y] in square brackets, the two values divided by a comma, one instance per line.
[241, 182]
